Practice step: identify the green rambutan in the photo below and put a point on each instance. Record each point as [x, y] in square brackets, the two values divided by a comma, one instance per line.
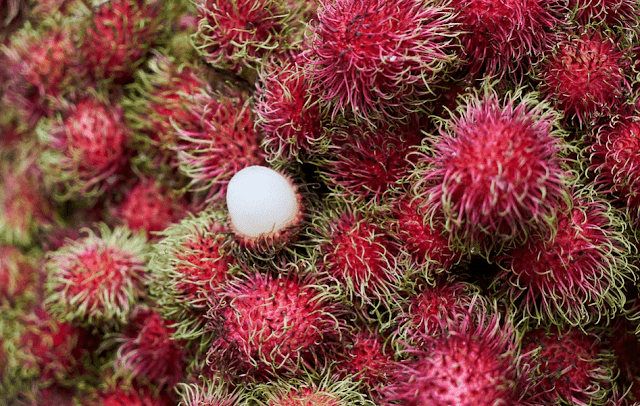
[496, 173]
[579, 275]
[567, 366]
[187, 267]
[84, 148]
[584, 75]
[377, 57]
[209, 393]
[269, 325]
[473, 361]
[96, 280]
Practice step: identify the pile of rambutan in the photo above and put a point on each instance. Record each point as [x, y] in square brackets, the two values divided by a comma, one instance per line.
[319, 203]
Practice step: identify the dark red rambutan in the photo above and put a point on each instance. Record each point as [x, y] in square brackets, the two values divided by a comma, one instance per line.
[25, 210]
[373, 57]
[124, 395]
[613, 13]
[225, 143]
[567, 367]
[150, 207]
[271, 325]
[235, 35]
[43, 69]
[148, 351]
[584, 75]
[495, 174]
[19, 275]
[364, 161]
[355, 257]
[502, 36]
[425, 241]
[577, 276]
[187, 267]
[159, 101]
[365, 358]
[84, 148]
[286, 112]
[117, 37]
[96, 280]
[473, 361]
[615, 160]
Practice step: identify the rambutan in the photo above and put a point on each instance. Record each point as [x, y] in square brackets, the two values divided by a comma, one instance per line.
[272, 325]
[615, 160]
[240, 34]
[567, 366]
[19, 274]
[117, 36]
[265, 209]
[474, 361]
[188, 265]
[502, 36]
[584, 75]
[579, 275]
[84, 148]
[373, 57]
[96, 280]
[209, 393]
[286, 112]
[148, 351]
[364, 161]
[150, 207]
[225, 143]
[355, 258]
[117, 394]
[495, 174]
[613, 13]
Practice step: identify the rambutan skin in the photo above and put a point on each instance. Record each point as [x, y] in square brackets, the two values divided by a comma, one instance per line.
[369, 56]
[579, 275]
[271, 325]
[496, 174]
[96, 280]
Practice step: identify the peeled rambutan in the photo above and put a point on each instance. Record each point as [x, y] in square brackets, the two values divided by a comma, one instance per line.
[96, 280]
[567, 366]
[502, 36]
[286, 113]
[355, 257]
[84, 148]
[240, 34]
[579, 275]
[271, 325]
[117, 37]
[150, 207]
[226, 143]
[364, 161]
[189, 264]
[615, 160]
[584, 75]
[473, 361]
[148, 351]
[495, 174]
[377, 57]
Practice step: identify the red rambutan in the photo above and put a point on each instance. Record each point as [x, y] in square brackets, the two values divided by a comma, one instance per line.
[473, 361]
[148, 351]
[117, 37]
[209, 393]
[584, 75]
[567, 367]
[615, 160]
[579, 275]
[271, 325]
[96, 280]
[225, 143]
[187, 267]
[19, 274]
[286, 113]
[84, 148]
[371, 57]
[502, 36]
[495, 174]
[307, 392]
[124, 395]
[613, 13]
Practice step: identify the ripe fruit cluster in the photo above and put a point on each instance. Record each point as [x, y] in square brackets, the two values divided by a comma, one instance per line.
[332, 203]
